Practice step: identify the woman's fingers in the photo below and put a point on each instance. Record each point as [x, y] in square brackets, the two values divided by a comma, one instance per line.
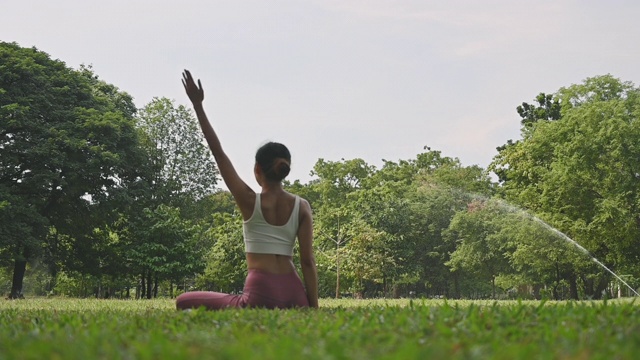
[187, 78]
[194, 91]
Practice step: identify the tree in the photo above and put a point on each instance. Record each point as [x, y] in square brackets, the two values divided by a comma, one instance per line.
[479, 250]
[183, 167]
[580, 172]
[332, 212]
[396, 214]
[163, 247]
[225, 261]
[540, 258]
[366, 257]
[181, 177]
[61, 145]
[439, 186]
[384, 222]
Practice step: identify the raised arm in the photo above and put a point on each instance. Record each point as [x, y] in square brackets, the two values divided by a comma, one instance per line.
[242, 193]
[307, 260]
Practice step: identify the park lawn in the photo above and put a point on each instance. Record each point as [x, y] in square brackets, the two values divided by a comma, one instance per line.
[340, 329]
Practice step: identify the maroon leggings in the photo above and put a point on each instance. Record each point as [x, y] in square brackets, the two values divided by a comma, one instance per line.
[261, 289]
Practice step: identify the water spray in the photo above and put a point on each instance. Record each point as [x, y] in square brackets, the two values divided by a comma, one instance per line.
[513, 209]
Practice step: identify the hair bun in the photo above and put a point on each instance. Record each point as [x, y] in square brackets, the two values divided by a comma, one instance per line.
[275, 161]
[281, 168]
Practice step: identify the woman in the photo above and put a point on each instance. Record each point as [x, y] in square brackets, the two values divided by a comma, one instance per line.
[272, 221]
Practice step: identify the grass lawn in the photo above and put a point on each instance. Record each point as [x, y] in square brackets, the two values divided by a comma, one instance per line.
[340, 329]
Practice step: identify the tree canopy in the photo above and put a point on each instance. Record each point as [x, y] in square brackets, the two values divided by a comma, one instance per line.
[580, 172]
[63, 142]
[99, 194]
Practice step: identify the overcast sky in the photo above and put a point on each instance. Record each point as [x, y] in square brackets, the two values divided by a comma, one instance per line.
[342, 79]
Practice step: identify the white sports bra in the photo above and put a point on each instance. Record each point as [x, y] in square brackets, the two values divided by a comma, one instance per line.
[260, 237]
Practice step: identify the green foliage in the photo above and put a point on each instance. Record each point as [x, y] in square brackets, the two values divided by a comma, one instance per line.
[166, 245]
[392, 217]
[366, 258]
[21, 229]
[580, 172]
[548, 108]
[202, 209]
[225, 268]
[479, 249]
[417, 329]
[67, 141]
[181, 162]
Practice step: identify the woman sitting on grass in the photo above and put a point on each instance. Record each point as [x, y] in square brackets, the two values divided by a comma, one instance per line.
[272, 221]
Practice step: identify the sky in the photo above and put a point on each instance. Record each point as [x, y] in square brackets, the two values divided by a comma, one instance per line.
[342, 79]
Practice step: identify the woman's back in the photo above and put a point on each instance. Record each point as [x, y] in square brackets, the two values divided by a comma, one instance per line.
[276, 208]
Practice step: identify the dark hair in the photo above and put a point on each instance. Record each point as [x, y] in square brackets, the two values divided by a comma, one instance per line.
[274, 160]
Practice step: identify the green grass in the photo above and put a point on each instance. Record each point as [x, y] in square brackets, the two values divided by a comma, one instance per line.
[340, 329]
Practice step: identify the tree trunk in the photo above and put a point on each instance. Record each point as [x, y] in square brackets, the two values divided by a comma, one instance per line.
[53, 267]
[589, 291]
[556, 283]
[384, 287]
[456, 286]
[143, 286]
[396, 291]
[337, 273]
[601, 287]
[19, 268]
[84, 286]
[554, 291]
[149, 285]
[493, 287]
[573, 287]
[53, 281]
[155, 286]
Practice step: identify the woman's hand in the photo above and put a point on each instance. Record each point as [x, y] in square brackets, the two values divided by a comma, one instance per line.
[195, 92]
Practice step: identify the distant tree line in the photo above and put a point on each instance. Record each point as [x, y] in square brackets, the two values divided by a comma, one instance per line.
[99, 198]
